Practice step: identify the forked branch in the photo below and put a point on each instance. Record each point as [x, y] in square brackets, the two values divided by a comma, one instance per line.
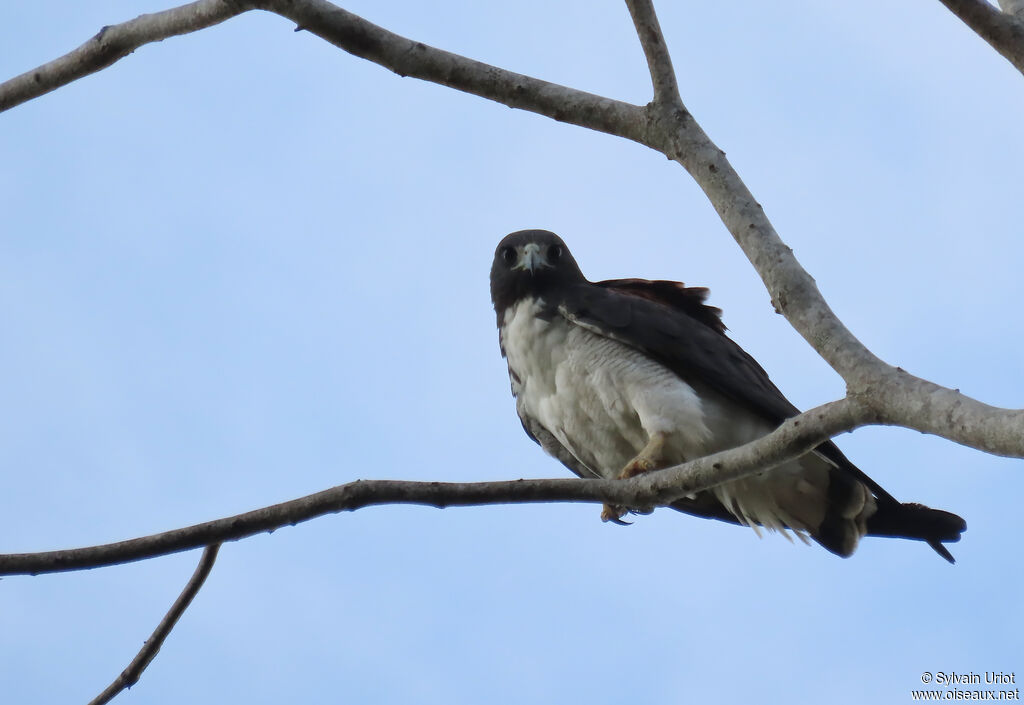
[130, 675]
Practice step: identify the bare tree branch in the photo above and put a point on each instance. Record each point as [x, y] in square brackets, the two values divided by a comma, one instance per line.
[876, 391]
[792, 439]
[151, 647]
[1004, 31]
[411, 58]
[351, 33]
[652, 39]
[113, 43]
[901, 399]
[893, 396]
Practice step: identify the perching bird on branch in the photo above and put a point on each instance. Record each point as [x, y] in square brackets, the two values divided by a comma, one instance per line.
[621, 377]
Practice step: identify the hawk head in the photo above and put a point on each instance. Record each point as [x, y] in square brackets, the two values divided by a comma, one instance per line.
[531, 263]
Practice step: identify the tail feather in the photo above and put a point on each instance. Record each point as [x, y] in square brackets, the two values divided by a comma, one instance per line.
[918, 522]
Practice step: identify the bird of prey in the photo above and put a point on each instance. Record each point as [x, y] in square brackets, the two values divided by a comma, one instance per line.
[620, 377]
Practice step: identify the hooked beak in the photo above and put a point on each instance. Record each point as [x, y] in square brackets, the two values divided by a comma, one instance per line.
[532, 258]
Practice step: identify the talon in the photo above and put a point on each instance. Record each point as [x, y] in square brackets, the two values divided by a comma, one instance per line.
[614, 514]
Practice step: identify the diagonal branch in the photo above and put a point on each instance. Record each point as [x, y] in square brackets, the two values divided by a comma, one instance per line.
[113, 43]
[652, 39]
[151, 647]
[792, 439]
[1004, 31]
[418, 60]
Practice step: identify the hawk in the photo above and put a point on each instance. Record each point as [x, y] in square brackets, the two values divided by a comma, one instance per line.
[621, 377]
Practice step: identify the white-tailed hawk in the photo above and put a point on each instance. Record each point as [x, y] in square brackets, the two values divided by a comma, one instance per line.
[619, 377]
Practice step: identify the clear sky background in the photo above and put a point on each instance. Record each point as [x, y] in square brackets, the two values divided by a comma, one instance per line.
[241, 266]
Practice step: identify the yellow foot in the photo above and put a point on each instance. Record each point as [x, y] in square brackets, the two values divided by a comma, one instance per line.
[637, 466]
[650, 458]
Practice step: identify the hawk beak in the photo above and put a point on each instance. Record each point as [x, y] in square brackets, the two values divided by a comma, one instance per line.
[532, 258]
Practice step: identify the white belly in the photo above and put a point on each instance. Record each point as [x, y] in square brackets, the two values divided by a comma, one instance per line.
[601, 399]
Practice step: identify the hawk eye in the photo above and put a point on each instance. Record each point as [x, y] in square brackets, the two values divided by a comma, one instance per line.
[554, 252]
[508, 254]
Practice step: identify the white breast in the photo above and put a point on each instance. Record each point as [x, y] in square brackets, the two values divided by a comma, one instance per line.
[601, 399]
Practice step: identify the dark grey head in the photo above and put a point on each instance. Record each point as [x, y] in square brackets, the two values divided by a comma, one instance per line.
[530, 263]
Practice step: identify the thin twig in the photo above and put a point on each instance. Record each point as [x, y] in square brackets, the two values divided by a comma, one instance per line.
[659, 62]
[130, 675]
[793, 438]
[1004, 31]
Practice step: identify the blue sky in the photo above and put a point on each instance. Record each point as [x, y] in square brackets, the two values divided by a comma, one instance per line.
[241, 266]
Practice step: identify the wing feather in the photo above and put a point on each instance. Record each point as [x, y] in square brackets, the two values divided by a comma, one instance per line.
[671, 323]
[546, 440]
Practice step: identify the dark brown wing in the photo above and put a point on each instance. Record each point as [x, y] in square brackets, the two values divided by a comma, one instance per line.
[671, 323]
[688, 299]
